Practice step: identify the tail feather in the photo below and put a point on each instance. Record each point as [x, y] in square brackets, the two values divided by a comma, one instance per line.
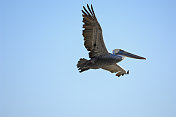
[82, 65]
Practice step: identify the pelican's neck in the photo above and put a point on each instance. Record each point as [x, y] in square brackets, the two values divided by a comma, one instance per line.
[119, 56]
[123, 57]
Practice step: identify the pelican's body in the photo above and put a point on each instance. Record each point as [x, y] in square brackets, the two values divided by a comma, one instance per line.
[99, 56]
[104, 60]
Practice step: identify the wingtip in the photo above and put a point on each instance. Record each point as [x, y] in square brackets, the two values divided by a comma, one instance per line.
[82, 11]
[128, 72]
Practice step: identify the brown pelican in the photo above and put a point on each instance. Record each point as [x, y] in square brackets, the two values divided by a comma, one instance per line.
[98, 54]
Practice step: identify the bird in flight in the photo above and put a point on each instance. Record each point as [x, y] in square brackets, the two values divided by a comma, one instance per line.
[98, 54]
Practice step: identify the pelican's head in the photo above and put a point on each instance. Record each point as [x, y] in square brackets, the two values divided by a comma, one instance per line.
[126, 54]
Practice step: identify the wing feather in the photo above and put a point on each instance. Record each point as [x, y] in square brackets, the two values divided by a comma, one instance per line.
[93, 38]
[90, 10]
[115, 69]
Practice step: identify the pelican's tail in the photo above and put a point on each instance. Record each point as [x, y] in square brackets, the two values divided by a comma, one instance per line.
[82, 65]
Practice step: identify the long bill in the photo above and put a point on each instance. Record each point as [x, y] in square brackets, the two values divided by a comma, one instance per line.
[127, 54]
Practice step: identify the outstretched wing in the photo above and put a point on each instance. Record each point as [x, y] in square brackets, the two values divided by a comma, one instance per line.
[93, 38]
[116, 69]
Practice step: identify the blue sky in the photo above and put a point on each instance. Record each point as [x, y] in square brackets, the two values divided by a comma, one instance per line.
[41, 42]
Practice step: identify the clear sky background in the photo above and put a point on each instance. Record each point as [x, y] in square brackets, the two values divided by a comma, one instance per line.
[41, 42]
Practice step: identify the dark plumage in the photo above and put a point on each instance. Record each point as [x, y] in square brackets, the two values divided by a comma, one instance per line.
[98, 54]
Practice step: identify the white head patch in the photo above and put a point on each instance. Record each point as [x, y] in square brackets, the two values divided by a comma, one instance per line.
[115, 51]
